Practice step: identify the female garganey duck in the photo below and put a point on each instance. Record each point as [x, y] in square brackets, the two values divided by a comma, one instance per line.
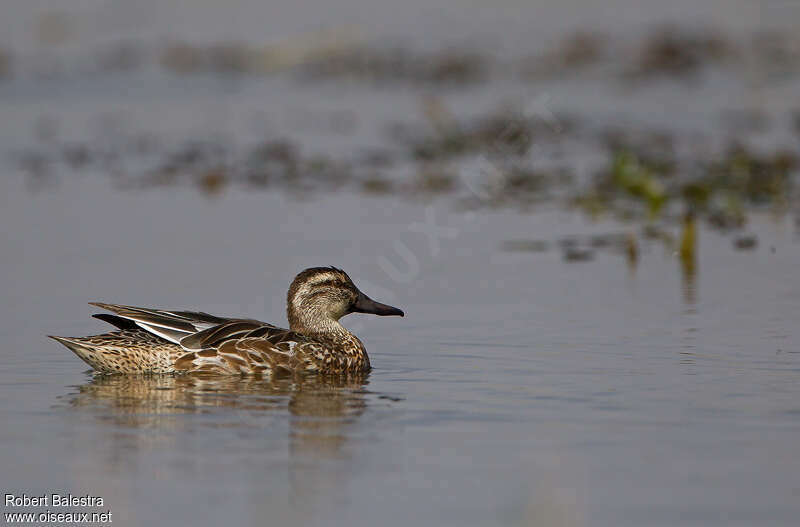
[159, 341]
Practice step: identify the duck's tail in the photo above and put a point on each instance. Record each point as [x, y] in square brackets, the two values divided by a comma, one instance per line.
[126, 351]
[83, 348]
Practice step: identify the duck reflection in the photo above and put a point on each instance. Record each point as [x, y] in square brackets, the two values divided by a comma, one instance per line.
[185, 419]
[132, 400]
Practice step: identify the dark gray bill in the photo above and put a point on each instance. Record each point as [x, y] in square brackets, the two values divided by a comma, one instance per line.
[365, 304]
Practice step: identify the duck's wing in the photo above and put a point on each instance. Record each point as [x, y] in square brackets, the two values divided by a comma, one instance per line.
[223, 345]
[192, 330]
[232, 329]
[286, 352]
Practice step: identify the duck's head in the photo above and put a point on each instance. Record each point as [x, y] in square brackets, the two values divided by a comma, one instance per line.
[320, 296]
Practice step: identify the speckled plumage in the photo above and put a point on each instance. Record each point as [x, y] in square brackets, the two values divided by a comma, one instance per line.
[163, 341]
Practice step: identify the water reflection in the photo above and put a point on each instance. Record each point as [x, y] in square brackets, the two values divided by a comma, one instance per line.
[688, 258]
[191, 419]
[136, 401]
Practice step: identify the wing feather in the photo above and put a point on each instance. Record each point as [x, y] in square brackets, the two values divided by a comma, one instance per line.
[216, 335]
[250, 355]
[175, 326]
[151, 317]
[222, 345]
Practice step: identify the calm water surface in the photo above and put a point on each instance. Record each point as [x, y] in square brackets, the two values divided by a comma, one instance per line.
[519, 389]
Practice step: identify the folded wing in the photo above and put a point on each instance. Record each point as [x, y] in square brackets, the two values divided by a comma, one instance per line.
[169, 325]
[220, 345]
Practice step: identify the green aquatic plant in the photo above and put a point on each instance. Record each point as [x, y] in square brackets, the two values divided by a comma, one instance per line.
[728, 211]
[591, 203]
[639, 181]
[754, 177]
[687, 251]
[687, 255]
[697, 194]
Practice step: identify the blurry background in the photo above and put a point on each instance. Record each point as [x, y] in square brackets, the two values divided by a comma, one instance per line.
[588, 212]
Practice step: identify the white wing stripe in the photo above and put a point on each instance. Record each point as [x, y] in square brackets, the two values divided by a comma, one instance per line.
[171, 334]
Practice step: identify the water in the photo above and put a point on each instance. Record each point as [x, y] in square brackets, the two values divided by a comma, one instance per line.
[520, 389]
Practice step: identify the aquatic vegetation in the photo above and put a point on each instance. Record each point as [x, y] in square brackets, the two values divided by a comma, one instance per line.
[572, 54]
[54, 27]
[341, 54]
[491, 160]
[434, 179]
[377, 185]
[722, 189]
[727, 212]
[212, 182]
[503, 132]
[521, 187]
[327, 58]
[687, 256]
[627, 185]
[639, 181]
[697, 194]
[378, 64]
[121, 56]
[223, 57]
[745, 242]
[673, 52]
[507, 154]
[632, 250]
[758, 178]
[582, 248]
[577, 254]
[688, 246]
[525, 246]
[776, 53]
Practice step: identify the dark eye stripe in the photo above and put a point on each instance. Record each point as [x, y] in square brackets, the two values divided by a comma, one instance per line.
[331, 283]
[325, 283]
[315, 294]
[327, 293]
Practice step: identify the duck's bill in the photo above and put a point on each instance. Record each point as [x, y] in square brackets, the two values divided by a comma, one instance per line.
[365, 304]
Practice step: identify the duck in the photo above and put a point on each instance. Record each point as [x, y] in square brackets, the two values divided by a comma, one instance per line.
[153, 341]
